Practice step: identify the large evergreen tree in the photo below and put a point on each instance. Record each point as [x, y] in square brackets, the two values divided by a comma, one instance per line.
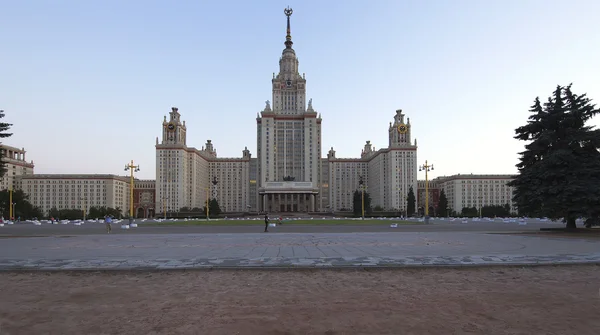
[213, 207]
[442, 208]
[3, 134]
[412, 200]
[559, 169]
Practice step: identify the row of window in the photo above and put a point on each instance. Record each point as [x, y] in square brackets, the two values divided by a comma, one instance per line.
[67, 182]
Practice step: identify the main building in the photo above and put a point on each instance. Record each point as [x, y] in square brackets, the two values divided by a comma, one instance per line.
[289, 173]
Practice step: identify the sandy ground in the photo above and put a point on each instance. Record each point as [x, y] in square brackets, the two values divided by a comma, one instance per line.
[537, 300]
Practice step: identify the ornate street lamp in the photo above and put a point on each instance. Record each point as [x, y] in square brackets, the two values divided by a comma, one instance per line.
[132, 168]
[426, 167]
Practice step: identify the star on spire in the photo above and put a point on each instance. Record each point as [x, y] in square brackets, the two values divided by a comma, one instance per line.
[288, 37]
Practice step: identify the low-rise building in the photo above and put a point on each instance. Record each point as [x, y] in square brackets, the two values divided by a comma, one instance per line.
[470, 190]
[144, 198]
[76, 191]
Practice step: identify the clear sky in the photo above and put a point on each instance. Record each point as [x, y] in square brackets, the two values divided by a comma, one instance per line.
[87, 83]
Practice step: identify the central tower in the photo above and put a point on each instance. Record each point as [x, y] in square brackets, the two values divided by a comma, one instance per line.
[288, 140]
[289, 88]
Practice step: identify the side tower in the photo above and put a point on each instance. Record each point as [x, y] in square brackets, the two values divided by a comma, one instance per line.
[174, 131]
[399, 131]
[402, 164]
[288, 141]
[171, 154]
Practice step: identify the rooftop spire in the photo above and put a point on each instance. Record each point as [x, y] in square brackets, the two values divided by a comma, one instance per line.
[288, 37]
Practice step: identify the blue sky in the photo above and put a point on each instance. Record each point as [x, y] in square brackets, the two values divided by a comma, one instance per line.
[87, 83]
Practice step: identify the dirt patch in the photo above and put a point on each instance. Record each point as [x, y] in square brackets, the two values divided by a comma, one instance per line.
[536, 300]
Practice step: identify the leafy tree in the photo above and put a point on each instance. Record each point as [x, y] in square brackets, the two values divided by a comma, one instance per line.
[412, 200]
[23, 208]
[54, 213]
[3, 134]
[507, 209]
[470, 212]
[495, 211]
[442, 204]
[69, 214]
[357, 203]
[97, 212]
[213, 207]
[558, 171]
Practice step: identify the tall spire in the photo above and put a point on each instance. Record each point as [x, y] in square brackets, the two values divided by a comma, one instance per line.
[288, 37]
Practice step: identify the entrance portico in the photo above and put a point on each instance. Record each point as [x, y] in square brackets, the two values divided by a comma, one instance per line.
[287, 197]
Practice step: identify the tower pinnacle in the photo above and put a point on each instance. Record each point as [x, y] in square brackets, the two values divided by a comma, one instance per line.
[288, 37]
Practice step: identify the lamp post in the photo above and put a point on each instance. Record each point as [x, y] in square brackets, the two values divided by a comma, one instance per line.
[361, 182]
[83, 206]
[165, 208]
[207, 209]
[10, 203]
[214, 182]
[426, 167]
[132, 168]
[480, 205]
[13, 210]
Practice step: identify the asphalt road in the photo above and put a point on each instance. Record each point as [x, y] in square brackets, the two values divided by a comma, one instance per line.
[29, 229]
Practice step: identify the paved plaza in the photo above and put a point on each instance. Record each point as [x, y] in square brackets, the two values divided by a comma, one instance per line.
[136, 249]
[222, 227]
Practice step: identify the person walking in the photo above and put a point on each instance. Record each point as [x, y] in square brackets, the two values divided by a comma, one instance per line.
[108, 221]
[266, 223]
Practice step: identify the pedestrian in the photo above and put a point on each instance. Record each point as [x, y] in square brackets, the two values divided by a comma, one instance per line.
[280, 220]
[266, 223]
[108, 221]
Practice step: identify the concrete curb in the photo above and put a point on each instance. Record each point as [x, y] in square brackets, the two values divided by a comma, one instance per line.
[292, 268]
[411, 262]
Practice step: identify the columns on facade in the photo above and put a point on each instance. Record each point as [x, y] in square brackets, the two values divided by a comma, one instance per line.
[305, 206]
[265, 202]
[290, 202]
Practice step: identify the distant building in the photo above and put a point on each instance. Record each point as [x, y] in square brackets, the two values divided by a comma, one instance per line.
[144, 198]
[469, 190]
[288, 174]
[186, 176]
[76, 191]
[16, 165]
[434, 196]
[387, 173]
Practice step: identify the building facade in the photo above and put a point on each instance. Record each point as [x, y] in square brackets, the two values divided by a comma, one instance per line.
[288, 141]
[289, 173]
[387, 173]
[187, 177]
[16, 165]
[433, 193]
[469, 190]
[72, 191]
[144, 198]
